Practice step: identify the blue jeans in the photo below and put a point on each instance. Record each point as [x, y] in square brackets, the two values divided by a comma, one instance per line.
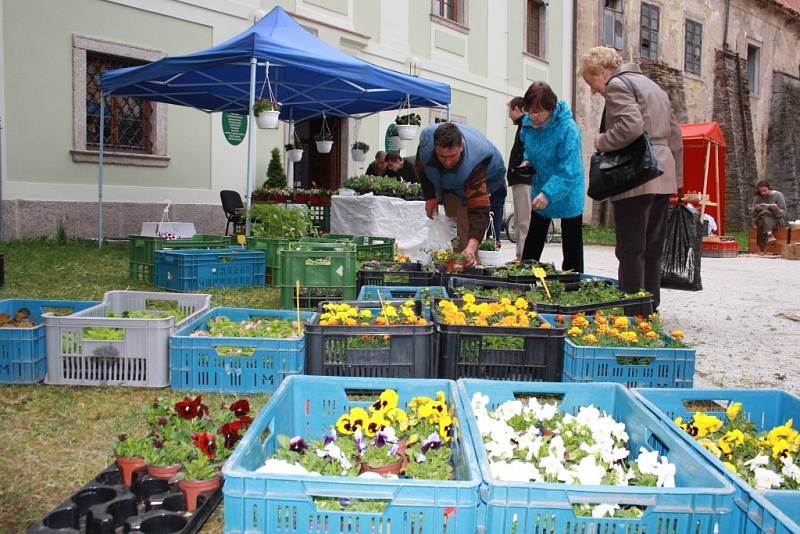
[497, 200]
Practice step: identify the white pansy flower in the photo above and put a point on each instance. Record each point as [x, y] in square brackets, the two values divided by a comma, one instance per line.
[516, 471]
[556, 447]
[273, 466]
[647, 461]
[766, 479]
[666, 474]
[479, 401]
[758, 461]
[552, 465]
[604, 510]
[589, 472]
[509, 409]
[789, 469]
[545, 412]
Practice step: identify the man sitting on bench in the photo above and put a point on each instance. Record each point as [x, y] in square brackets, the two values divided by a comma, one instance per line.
[768, 212]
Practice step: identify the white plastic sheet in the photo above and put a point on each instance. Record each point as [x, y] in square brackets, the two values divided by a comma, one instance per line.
[415, 234]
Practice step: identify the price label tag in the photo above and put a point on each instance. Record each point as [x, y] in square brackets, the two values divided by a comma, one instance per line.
[539, 273]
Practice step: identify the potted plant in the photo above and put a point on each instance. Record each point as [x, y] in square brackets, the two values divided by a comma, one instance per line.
[267, 113]
[130, 451]
[164, 456]
[324, 141]
[407, 125]
[450, 260]
[294, 151]
[489, 253]
[200, 475]
[358, 150]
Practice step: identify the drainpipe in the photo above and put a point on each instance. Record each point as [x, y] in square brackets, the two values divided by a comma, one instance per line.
[574, 53]
[725, 31]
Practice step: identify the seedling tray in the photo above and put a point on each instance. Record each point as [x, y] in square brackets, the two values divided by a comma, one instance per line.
[106, 505]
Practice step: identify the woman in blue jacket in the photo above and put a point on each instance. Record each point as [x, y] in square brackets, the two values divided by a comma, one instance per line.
[553, 147]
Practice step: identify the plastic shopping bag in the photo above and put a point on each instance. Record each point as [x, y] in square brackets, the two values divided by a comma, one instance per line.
[683, 247]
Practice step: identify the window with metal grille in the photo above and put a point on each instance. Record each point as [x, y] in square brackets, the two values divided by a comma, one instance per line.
[536, 22]
[694, 47]
[648, 33]
[754, 68]
[613, 24]
[449, 9]
[128, 121]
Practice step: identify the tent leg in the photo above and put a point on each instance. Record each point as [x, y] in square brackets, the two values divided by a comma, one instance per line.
[100, 172]
[251, 143]
[289, 164]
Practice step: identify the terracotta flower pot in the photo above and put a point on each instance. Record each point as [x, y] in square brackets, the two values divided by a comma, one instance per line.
[390, 469]
[454, 266]
[193, 488]
[163, 472]
[127, 465]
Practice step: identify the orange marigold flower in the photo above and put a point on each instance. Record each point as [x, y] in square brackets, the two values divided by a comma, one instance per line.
[559, 318]
[645, 326]
[621, 322]
[652, 334]
[677, 334]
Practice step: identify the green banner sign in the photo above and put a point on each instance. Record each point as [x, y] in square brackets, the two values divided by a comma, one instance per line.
[234, 126]
[392, 141]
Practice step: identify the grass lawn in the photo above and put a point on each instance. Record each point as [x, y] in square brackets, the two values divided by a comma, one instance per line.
[54, 439]
[599, 235]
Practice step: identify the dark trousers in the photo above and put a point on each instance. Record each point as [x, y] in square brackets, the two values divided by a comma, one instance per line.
[496, 202]
[641, 224]
[571, 240]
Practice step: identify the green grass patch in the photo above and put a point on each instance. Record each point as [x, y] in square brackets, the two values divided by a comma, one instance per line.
[55, 439]
[599, 235]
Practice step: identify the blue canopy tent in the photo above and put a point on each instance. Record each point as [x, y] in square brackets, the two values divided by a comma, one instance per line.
[307, 76]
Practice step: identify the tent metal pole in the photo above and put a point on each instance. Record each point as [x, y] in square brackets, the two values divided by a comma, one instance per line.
[251, 142]
[100, 170]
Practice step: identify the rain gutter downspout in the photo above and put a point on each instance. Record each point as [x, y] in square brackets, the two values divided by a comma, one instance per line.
[725, 32]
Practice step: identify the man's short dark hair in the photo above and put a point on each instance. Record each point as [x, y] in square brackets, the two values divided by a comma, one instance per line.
[447, 135]
[540, 97]
[392, 156]
[763, 183]
[517, 102]
[379, 153]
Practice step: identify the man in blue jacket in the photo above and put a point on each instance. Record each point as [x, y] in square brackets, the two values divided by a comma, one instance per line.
[460, 168]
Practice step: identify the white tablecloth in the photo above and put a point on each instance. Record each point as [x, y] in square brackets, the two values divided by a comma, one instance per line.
[404, 220]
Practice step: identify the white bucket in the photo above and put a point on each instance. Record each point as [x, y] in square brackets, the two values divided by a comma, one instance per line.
[267, 119]
[295, 155]
[407, 131]
[324, 147]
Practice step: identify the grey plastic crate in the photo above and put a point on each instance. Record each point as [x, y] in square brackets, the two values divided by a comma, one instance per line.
[141, 358]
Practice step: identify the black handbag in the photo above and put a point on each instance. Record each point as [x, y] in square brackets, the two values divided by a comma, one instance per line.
[612, 173]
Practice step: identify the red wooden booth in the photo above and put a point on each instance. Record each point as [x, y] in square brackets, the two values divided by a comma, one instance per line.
[704, 170]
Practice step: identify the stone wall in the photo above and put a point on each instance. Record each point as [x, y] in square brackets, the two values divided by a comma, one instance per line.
[732, 112]
[23, 219]
[671, 81]
[783, 141]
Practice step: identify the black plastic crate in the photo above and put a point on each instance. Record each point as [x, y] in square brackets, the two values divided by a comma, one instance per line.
[107, 505]
[458, 285]
[410, 351]
[632, 307]
[473, 273]
[468, 352]
[2, 270]
[410, 274]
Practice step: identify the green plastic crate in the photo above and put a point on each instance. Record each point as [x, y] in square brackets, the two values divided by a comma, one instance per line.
[368, 247]
[325, 270]
[270, 246]
[142, 252]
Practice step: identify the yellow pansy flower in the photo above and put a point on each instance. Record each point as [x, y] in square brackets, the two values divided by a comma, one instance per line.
[730, 466]
[730, 440]
[386, 401]
[733, 410]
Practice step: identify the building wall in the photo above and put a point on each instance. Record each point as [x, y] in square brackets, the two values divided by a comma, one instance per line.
[483, 61]
[753, 21]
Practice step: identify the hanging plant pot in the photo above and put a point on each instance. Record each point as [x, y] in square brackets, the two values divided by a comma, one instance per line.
[295, 155]
[407, 131]
[491, 258]
[324, 147]
[193, 488]
[357, 154]
[267, 119]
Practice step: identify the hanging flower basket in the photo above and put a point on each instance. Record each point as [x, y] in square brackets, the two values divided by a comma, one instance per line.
[491, 258]
[268, 119]
[324, 147]
[408, 124]
[407, 131]
[294, 152]
[358, 151]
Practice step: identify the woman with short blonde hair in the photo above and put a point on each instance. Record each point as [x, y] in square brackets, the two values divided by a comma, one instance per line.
[597, 59]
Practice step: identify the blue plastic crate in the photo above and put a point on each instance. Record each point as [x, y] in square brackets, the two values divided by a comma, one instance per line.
[196, 363]
[701, 504]
[308, 406]
[23, 351]
[401, 292]
[634, 367]
[757, 511]
[194, 269]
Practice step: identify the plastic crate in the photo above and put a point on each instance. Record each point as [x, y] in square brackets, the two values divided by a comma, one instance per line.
[139, 359]
[633, 367]
[196, 363]
[23, 351]
[458, 286]
[142, 252]
[376, 293]
[756, 511]
[466, 352]
[2, 270]
[321, 216]
[307, 406]
[270, 246]
[368, 247]
[195, 270]
[701, 504]
[326, 271]
[410, 274]
[410, 352]
[475, 273]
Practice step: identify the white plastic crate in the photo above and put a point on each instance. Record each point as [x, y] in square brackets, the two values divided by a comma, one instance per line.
[141, 358]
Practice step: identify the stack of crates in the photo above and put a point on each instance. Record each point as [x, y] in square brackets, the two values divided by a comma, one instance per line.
[270, 247]
[195, 270]
[142, 252]
[367, 247]
[324, 271]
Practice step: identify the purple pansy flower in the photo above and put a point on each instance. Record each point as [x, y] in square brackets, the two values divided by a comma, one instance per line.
[387, 435]
[361, 443]
[330, 438]
[431, 442]
[298, 444]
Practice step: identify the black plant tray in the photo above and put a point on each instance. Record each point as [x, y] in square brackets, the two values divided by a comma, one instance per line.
[107, 506]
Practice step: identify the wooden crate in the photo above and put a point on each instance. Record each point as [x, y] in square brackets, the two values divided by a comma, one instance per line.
[791, 252]
[782, 236]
